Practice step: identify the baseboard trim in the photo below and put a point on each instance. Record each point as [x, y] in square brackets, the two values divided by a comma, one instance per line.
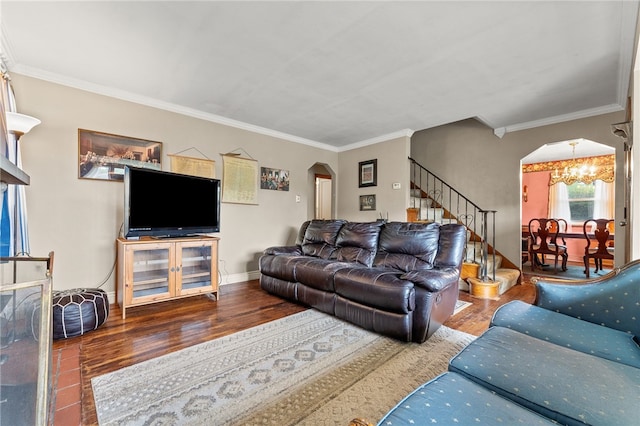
[237, 278]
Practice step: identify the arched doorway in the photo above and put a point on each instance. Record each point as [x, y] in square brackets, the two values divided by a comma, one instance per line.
[322, 182]
[572, 180]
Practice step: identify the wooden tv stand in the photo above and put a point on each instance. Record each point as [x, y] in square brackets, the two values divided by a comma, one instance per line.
[154, 270]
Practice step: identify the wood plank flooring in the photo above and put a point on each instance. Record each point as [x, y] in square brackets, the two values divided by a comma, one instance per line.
[154, 330]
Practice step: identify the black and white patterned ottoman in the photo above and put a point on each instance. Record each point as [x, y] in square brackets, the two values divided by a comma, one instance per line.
[78, 310]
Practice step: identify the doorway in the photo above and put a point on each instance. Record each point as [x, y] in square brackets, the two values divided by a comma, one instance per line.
[323, 205]
[583, 169]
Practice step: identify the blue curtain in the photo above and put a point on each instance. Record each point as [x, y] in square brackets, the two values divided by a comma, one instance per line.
[14, 236]
[5, 226]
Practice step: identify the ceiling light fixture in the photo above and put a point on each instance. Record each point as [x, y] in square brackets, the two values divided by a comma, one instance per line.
[577, 171]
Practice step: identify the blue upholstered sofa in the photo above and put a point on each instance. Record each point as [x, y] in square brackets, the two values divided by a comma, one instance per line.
[572, 358]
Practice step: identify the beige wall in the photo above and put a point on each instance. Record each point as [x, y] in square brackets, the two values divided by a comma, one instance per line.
[393, 167]
[486, 169]
[79, 219]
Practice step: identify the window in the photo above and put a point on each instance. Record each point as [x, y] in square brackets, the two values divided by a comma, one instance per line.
[581, 201]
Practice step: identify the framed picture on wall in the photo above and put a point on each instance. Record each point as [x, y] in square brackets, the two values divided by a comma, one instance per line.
[367, 202]
[274, 179]
[103, 156]
[368, 173]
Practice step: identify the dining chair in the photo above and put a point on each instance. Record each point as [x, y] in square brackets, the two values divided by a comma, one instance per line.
[600, 235]
[559, 225]
[543, 233]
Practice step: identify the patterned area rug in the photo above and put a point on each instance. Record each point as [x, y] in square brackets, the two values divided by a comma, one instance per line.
[460, 305]
[572, 272]
[306, 369]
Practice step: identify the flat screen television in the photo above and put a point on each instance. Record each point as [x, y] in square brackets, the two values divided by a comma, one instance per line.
[165, 205]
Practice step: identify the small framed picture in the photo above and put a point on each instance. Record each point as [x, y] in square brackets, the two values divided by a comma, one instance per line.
[367, 202]
[368, 173]
[274, 179]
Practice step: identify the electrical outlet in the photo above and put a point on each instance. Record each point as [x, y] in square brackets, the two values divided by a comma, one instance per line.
[396, 185]
[297, 198]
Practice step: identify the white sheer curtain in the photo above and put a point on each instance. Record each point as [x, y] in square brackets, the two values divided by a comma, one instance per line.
[559, 202]
[603, 200]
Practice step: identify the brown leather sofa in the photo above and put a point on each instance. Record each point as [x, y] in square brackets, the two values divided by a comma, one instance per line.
[398, 279]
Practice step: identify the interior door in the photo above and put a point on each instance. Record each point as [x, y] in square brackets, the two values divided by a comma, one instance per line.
[323, 197]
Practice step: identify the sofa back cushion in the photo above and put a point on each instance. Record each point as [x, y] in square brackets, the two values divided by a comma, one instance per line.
[320, 238]
[407, 246]
[358, 242]
[301, 232]
[453, 239]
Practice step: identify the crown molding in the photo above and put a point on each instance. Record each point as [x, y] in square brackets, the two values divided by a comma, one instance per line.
[407, 133]
[500, 131]
[166, 106]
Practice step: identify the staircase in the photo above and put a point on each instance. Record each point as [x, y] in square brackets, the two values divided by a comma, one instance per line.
[433, 200]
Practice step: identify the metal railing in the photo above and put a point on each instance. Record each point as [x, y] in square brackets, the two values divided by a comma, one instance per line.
[434, 200]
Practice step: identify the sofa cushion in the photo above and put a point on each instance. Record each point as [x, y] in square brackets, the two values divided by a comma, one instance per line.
[301, 232]
[432, 279]
[568, 386]
[358, 242]
[283, 267]
[567, 331]
[407, 246]
[318, 273]
[320, 238]
[283, 251]
[376, 287]
[453, 237]
[612, 302]
[451, 399]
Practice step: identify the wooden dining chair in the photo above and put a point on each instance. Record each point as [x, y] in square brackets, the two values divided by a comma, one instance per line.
[600, 235]
[560, 226]
[543, 235]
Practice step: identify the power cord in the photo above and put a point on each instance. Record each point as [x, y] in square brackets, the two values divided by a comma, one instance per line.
[115, 261]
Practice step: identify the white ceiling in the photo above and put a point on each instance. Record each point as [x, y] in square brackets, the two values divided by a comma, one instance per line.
[336, 74]
[563, 150]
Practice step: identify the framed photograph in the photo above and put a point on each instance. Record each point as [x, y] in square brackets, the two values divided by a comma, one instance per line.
[274, 179]
[367, 202]
[103, 156]
[368, 173]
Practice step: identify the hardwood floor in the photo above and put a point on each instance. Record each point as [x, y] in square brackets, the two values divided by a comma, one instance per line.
[154, 330]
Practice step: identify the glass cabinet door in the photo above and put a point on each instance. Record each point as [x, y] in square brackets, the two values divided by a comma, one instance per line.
[151, 276]
[196, 268]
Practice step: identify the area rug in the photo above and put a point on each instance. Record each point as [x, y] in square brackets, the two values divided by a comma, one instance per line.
[305, 369]
[460, 305]
[572, 272]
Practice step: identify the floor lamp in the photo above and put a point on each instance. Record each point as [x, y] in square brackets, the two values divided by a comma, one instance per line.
[18, 125]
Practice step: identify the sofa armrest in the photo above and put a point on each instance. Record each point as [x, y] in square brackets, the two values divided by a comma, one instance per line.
[432, 279]
[612, 300]
[283, 250]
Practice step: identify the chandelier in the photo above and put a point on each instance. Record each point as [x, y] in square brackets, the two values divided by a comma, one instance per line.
[575, 171]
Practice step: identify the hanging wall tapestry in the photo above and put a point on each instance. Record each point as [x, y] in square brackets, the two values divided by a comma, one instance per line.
[239, 180]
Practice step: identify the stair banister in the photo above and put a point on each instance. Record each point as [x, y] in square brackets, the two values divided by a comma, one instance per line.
[484, 247]
[427, 185]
